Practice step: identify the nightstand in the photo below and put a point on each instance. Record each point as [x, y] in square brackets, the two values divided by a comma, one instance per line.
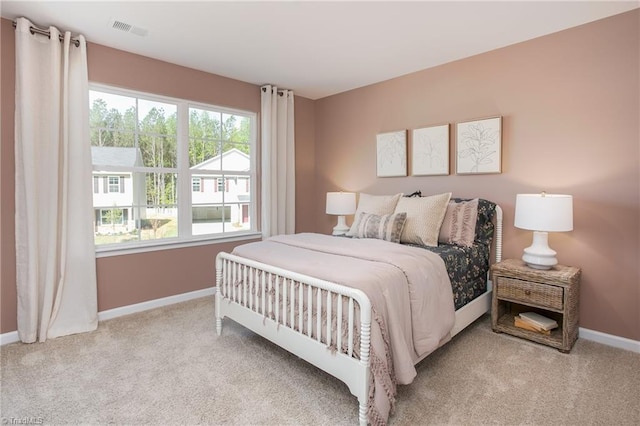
[553, 293]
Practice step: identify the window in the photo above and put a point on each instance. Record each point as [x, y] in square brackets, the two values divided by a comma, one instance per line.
[164, 169]
[111, 216]
[196, 185]
[114, 184]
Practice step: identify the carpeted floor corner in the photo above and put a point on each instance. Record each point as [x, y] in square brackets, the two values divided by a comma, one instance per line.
[167, 366]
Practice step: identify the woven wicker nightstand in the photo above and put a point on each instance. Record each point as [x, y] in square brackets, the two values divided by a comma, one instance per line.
[553, 293]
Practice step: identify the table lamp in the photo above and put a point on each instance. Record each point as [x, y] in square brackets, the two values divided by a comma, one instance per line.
[341, 204]
[543, 213]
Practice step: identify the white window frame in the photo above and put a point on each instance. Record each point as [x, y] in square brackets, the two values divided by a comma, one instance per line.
[185, 238]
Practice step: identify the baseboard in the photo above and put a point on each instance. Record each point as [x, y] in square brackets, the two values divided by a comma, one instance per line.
[12, 336]
[609, 340]
[584, 333]
[156, 303]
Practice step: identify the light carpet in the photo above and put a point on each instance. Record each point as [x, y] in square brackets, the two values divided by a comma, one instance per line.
[167, 366]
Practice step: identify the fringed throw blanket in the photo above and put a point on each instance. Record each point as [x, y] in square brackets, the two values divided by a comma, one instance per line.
[408, 287]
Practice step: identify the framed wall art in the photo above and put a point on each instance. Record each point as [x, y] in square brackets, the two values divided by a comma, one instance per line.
[479, 146]
[391, 159]
[430, 151]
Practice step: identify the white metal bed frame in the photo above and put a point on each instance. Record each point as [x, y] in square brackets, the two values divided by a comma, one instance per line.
[269, 301]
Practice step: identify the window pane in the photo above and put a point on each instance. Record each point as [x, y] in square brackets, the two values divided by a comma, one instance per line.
[235, 128]
[159, 221]
[204, 124]
[143, 207]
[111, 190]
[223, 205]
[159, 150]
[210, 219]
[204, 136]
[236, 157]
[158, 133]
[112, 119]
[157, 117]
[160, 188]
[216, 218]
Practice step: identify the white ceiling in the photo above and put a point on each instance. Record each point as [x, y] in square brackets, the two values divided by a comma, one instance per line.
[315, 48]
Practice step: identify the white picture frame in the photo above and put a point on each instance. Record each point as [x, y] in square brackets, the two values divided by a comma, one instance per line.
[391, 154]
[479, 146]
[430, 151]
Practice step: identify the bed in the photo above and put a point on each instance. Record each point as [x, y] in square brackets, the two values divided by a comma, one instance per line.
[364, 310]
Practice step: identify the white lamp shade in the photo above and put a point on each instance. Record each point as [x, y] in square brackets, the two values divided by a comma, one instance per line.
[544, 212]
[341, 203]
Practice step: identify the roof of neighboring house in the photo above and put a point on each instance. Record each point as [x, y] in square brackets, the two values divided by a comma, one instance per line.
[116, 156]
[233, 159]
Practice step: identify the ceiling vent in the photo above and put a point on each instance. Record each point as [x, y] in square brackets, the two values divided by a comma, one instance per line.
[127, 28]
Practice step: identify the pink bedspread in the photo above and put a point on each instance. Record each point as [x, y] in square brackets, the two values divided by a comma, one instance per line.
[408, 287]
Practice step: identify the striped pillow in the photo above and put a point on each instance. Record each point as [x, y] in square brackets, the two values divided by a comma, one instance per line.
[386, 227]
[376, 204]
[459, 224]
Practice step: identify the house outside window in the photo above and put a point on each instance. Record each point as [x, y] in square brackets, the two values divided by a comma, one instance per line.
[162, 160]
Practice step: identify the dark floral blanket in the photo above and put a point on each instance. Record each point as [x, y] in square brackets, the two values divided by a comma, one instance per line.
[468, 266]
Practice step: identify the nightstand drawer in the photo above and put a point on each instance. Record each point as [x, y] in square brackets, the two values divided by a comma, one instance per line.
[543, 295]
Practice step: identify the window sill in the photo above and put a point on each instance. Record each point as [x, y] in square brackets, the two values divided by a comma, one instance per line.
[121, 250]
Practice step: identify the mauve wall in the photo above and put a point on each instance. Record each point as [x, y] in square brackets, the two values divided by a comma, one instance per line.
[570, 107]
[128, 279]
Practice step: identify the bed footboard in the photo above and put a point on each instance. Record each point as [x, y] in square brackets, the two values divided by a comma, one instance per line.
[326, 324]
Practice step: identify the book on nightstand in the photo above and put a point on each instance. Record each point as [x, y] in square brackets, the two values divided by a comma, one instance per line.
[520, 323]
[538, 320]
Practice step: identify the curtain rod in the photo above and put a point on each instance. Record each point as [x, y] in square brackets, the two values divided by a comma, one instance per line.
[280, 91]
[36, 30]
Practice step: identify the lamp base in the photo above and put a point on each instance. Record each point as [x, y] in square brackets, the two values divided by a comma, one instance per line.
[341, 228]
[539, 255]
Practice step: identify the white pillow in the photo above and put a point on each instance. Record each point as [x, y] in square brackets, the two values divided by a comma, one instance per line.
[424, 218]
[374, 204]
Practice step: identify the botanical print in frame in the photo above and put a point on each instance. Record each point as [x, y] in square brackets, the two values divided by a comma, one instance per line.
[430, 151]
[392, 154]
[479, 146]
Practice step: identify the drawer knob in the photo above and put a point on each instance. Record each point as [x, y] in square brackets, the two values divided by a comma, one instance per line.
[527, 292]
